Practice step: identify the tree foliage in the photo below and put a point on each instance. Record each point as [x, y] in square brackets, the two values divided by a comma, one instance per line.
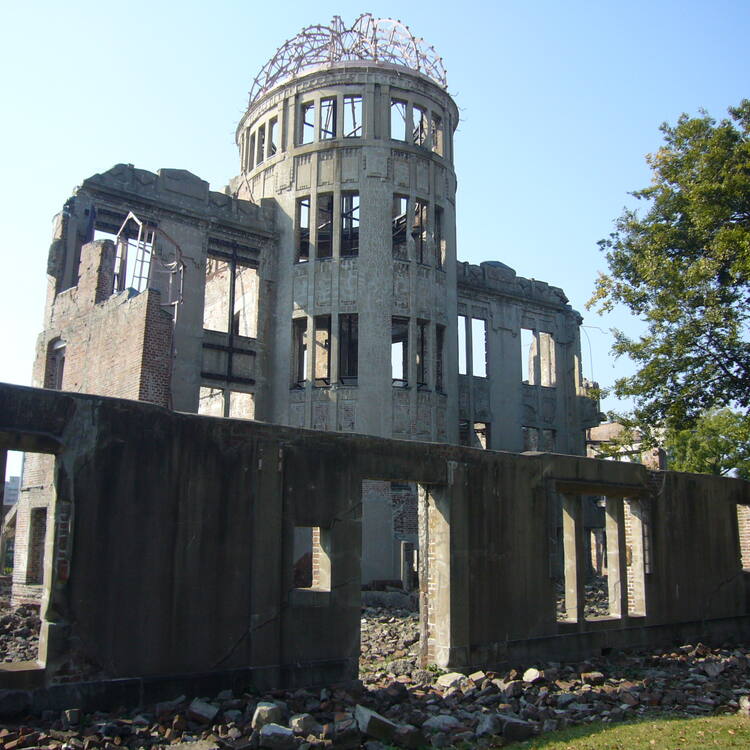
[683, 267]
[718, 443]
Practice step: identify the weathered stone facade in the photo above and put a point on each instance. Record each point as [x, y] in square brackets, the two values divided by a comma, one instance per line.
[321, 289]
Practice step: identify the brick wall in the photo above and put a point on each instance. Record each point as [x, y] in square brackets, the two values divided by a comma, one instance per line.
[743, 522]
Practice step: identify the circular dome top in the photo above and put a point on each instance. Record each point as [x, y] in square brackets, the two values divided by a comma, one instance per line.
[377, 39]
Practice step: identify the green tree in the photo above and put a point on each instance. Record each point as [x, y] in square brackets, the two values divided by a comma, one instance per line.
[718, 443]
[683, 267]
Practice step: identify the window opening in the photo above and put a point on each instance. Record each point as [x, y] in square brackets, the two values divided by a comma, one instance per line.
[241, 405]
[211, 401]
[437, 134]
[307, 134]
[419, 119]
[303, 230]
[327, 119]
[323, 239]
[398, 224]
[479, 347]
[462, 345]
[482, 435]
[528, 356]
[251, 153]
[299, 359]
[398, 120]
[400, 351]
[548, 441]
[463, 432]
[312, 558]
[530, 438]
[322, 337]
[349, 224]
[273, 134]
[231, 295]
[439, 245]
[419, 230]
[422, 329]
[217, 298]
[348, 348]
[245, 309]
[261, 152]
[352, 116]
[53, 374]
[133, 257]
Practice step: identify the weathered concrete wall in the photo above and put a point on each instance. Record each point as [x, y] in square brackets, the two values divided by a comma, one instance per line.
[174, 555]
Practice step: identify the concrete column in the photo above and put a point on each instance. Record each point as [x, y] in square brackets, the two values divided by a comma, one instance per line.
[572, 513]
[617, 580]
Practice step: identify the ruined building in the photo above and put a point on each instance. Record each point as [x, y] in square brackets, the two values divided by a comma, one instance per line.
[320, 289]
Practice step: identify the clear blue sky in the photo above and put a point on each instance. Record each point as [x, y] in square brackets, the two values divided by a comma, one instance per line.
[559, 103]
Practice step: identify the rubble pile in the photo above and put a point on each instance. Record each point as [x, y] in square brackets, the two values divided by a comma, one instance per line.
[19, 632]
[596, 598]
[399, 704]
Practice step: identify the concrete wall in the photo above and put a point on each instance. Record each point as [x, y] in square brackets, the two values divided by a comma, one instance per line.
[175, 555]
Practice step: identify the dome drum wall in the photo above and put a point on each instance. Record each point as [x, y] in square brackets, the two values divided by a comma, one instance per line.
[358, 160]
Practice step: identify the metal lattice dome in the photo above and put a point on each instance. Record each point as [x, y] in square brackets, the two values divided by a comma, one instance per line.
[378, 39]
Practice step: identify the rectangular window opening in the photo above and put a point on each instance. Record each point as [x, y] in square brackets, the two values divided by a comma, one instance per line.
[419, 118]
[217, 300]
[348, 348]
[349, 224]
[245, 309]
[211, 402]
[307, 123]
[439, 242]
[462, 346]
[322, 354]
[528, 356]
[352, 116]
[439, 345]
[241, 405]
[133, 259]
[251, 153]
[299, 352]
[312, 558]
[482, 435]
[261, 152]
[324, 226]
[400, 351]
[398, 120]
[302, 222]
[398, 226]
[530, 438]
[437, 134]
[419, 230]
[327, 119]
[479, 347]
[273, 135]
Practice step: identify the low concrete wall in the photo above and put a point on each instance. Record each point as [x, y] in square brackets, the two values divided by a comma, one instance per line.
[172, 551]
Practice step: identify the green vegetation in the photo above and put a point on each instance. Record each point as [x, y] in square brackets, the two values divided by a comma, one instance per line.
[683, 267]
[656, 734]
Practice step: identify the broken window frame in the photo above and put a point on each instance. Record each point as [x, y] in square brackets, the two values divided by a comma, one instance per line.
[307, 123]
[482, 434]
[437, 134]
[299, 352]
[273, 135]
[399, 212]
[328, 119]
[400, 344]
[142, 243]
[322, 351]
[398, 119]
[302, 230]
[352, 104]
[324, 226]
[349, 225]
[420, 127]
[419, 230]
[348, 348]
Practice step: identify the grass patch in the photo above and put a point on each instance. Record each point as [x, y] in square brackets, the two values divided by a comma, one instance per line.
[665, 733]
